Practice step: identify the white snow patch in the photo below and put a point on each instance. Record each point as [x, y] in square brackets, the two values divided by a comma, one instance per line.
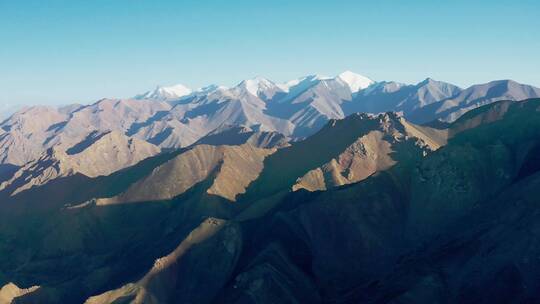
[256, 85]
[355, 81]
[303, 83]
[164, 93]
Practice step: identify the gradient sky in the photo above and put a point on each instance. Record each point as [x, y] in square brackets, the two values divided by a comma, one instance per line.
[58, 52]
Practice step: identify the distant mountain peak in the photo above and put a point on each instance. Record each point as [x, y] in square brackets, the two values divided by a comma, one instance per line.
[426, 81]
[503, 82]
[430, 83]
[256, 85]
[317, 77]
[307, 81]
[434, 82]
[356, 82]
[257, 80]
[212, 87]
[165, 93]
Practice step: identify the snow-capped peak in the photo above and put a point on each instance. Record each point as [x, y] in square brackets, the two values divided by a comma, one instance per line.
[211, 88]
[355, 81]
[256, 85]
[164, 93]
[309, 78]
[302, 83]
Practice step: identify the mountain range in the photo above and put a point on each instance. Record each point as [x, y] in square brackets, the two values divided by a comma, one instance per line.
[319, 190]
[371, 208]
[176, 117]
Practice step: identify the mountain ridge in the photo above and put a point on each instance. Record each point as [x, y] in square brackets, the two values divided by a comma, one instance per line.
[296, 110]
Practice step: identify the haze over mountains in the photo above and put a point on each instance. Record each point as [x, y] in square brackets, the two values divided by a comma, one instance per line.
[322, 189]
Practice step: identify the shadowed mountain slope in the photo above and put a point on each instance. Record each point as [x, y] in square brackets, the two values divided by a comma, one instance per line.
[447, 227]
[344, 151]
[453, 218]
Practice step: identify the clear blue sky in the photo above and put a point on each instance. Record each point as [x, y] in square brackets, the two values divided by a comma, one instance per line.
[79, 51]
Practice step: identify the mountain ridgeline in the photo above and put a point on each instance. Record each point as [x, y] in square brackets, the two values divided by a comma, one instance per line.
[318, 190]
[177, 117]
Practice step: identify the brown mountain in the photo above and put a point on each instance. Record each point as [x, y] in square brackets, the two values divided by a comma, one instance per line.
[100, 155]
[441, 215]
[296, 109]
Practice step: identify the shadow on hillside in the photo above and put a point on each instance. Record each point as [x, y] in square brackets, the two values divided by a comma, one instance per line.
[7, 171]
[104, 246]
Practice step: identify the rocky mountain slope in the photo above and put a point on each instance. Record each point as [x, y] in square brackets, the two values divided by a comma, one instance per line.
[361, 145]
[29, 133]
[234, 168]
[431, 99]
[367, 144]
[372, 153]
[391, 96]
[237, 135]
[459, 225]
[450, 225]
[99, 155]
[175, 189]
[452, 108]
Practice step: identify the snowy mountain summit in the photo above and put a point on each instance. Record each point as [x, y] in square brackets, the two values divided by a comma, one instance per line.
[166, 93]
[356, 82]
[256, 86]
[178, 117]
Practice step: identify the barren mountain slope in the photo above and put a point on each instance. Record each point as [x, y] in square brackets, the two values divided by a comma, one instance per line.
[25, 133]
[234, 167]
[101, 155]
[296, 109]
[237, 135]
[29, 133]
[450, 224]
[156, 287]
[447, 226]
[344, 151]
[452, 108]
[376, 151]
